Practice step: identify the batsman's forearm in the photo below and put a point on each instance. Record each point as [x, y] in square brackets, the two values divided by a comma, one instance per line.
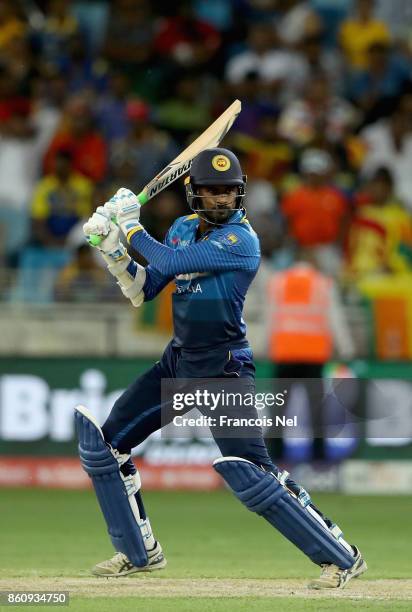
[124, 269]
[155, 283]
[128, 273]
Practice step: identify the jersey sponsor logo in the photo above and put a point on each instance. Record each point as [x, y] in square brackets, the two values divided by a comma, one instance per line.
[179, 242]
[195, 288]
[221, 163]
[184, 282]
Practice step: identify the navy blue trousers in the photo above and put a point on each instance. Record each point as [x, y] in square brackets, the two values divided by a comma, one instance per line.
[137, 413]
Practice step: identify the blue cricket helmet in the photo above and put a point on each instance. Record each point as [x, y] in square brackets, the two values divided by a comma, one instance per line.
[217, 166]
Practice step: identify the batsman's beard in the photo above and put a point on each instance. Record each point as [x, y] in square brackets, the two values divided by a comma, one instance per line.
[216, 216]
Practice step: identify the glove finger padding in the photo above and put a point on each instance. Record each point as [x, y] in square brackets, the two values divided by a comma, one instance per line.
[103, 211]
[128, 214]
[98, 225]
[111, 207]
[111, 245]
[123, 192]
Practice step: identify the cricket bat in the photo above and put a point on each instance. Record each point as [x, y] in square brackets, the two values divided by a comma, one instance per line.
[210, 138]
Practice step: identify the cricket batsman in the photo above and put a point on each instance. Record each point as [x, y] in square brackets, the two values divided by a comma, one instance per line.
[212, 255]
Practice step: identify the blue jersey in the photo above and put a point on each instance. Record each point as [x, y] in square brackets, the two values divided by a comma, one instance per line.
[212, 274]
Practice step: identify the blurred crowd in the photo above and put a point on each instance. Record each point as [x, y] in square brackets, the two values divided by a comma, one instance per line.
[97, 95]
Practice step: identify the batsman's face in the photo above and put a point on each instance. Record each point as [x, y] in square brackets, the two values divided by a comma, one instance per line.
[218, 201]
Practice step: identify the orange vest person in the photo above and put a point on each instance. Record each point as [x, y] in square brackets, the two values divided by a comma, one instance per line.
[299, 321]
[306, 321]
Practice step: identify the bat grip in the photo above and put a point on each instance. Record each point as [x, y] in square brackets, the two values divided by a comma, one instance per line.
[96, 240]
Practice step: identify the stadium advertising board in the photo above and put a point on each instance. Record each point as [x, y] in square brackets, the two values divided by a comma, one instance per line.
[37, 436]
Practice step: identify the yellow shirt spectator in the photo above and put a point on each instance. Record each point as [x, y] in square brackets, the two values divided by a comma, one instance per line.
[59, 205]
[376, 238]
[73, 197]
[357, 36]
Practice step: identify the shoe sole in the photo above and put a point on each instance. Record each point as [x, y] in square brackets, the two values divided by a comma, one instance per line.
[134, 570]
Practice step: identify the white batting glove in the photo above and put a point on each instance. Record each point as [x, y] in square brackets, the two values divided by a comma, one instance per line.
[100, 224]
[111, 206]
[109, 209]
[128, 210]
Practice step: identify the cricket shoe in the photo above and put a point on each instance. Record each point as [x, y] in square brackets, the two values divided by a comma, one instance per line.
[119, 564]
[333, 577]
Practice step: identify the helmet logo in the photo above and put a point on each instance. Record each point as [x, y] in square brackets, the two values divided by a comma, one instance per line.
[221, 163]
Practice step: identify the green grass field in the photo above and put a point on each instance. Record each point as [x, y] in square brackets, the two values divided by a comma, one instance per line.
[220, 556]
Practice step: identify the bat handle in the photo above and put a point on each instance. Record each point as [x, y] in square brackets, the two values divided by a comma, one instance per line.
[96, 240]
